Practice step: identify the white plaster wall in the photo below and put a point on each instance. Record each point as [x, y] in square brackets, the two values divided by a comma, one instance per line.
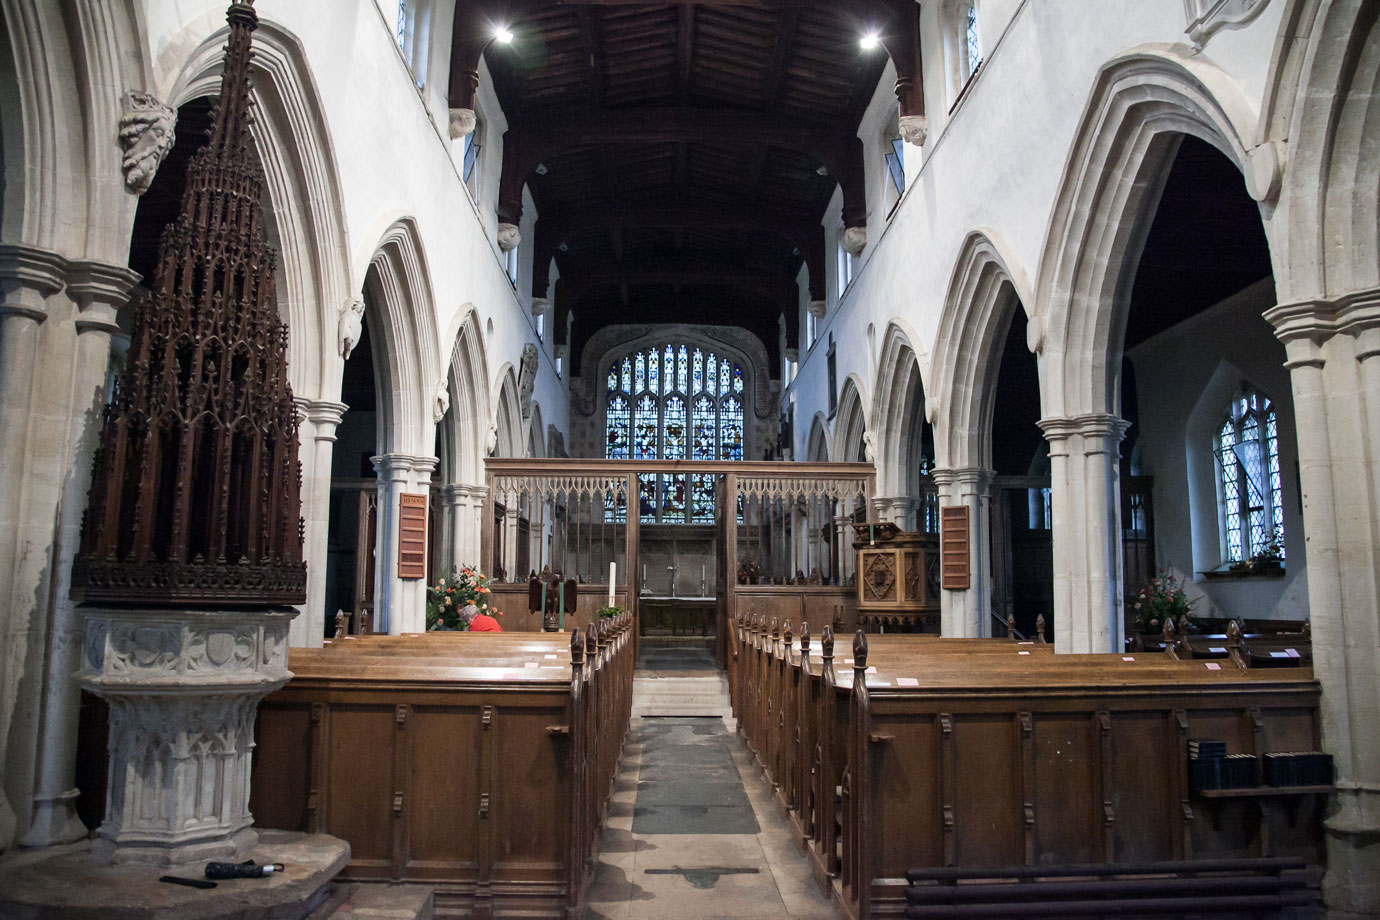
[1173, 370]
[996, 163]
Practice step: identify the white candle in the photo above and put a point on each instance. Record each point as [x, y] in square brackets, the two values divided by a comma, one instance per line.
[701, 573]
[613, 569]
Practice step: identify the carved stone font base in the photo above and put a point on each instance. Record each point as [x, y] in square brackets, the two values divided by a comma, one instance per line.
[183, 687]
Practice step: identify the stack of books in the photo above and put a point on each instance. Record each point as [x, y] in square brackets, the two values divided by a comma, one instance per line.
[1298, 768]
[1211, 767]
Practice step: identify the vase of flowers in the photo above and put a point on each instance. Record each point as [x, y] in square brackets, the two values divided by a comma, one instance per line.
[1163, 598]
[450, 595]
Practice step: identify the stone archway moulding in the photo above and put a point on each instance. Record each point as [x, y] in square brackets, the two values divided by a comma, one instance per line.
[971, 334]
[819, 447]
[903, 370]
[1140, 103]
[850, 422]
[401, 287]
[467, 375]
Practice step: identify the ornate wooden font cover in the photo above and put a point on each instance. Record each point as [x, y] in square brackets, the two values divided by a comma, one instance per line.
[195, 494]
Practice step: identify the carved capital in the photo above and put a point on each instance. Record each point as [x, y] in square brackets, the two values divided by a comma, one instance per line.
[99, 290]
[914, 129]
[462, 122]
[509, 237]
[854, 240]
[147, 133]
[28, 277]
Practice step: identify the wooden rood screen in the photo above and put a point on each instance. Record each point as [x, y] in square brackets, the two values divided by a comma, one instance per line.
[781, 531]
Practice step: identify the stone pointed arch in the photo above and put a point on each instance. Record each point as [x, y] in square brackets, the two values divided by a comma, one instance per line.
[899, 408]
[1140, 105]
[402, 319]
[294, 145]
[466, 425]
[536, 433]
[506, 425]
[984, 290]
[851, 433]
[817, 447]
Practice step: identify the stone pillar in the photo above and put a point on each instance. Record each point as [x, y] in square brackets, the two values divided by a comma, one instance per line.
[967, 614]
[54, 347]
[843, 540]
[183, 687]
[320, 420]
[97, 290]
[1084, 454]
[400, 603]
[1333, 356]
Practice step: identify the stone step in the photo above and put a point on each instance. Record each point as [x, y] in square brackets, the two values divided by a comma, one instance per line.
[365, 901]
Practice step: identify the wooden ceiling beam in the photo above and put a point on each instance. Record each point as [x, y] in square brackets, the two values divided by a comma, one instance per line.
[558, 226]
[685, 51]
[528, 142]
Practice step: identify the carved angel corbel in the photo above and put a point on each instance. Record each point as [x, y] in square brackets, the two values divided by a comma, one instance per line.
[351, 326]
[441, 404]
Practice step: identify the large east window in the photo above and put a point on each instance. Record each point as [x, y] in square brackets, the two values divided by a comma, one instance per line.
[673, 402]
[1249, 482]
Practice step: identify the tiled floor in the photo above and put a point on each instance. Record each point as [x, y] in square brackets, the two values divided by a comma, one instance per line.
[693, 833]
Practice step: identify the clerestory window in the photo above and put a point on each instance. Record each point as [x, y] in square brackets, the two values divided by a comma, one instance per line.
[673, 402]
[1249, 483]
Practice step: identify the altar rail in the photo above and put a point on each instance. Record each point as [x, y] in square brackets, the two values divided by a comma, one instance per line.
[917, 751]
[479, 764]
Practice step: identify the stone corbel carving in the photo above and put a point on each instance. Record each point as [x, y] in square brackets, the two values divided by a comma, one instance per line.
[914, 129]
[509, 237]
[818, 308]
[541, 306]
[462, 122]
[527, 379]
[441, 405]
[351, 326]
[1207, 16]
[869, 447]
[146, 135]
[793, 355]
[854, 239]
[491, 438]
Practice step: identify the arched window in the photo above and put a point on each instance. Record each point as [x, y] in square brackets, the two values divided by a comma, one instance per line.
[673, 402]
[1248, 481]
[972, 49]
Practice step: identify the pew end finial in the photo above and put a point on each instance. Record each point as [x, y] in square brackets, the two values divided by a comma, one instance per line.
[1011, 627]
[804, 638]
[1040, 629]
[577, 648]
[826, 644]
[860, 651]
[786, 635]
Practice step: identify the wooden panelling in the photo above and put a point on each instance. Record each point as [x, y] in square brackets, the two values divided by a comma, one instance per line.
[359, 786]
[987, 792]
[1144, 764]
[443, 838]
[1068, 828]
[412, 535]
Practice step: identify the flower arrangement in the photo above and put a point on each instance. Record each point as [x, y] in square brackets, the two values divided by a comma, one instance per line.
[610, 611]
[450, 595]
[1269, 560]
[1163, 598]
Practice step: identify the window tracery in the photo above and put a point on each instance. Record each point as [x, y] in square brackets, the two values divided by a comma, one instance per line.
[673, 402]
[1249, 481]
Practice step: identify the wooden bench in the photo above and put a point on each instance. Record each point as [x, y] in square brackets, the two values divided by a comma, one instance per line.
[479, 764]
[1202, 887]
[924, 752]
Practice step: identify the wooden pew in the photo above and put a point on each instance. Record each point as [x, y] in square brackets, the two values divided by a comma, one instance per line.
[981, 759]
[475, 763]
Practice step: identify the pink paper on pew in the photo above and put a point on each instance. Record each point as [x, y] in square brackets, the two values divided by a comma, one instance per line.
[1022, 653]
[1292, 653]
[1213, 666]
[531, 664]
[907, 682]
[549, 657]
[1127, 658]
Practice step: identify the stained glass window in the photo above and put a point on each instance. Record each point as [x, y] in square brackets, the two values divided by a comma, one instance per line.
[971, 38]
[1249, 481]
[672, 402]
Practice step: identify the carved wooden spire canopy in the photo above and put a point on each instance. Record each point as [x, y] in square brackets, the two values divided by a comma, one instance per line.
[195, 495]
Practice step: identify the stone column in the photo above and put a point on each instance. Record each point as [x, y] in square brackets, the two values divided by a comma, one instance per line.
[1333, 356]
[967, 613]
[97, 290]
[320, 420]
[184, 687]
[54, 346]
[1086, 508]
[400, 603]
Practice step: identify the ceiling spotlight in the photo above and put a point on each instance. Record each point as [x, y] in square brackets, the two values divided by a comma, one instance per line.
[870, 41]
[541, 169]
[564, 247]
[502, 35]
[822, 171]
